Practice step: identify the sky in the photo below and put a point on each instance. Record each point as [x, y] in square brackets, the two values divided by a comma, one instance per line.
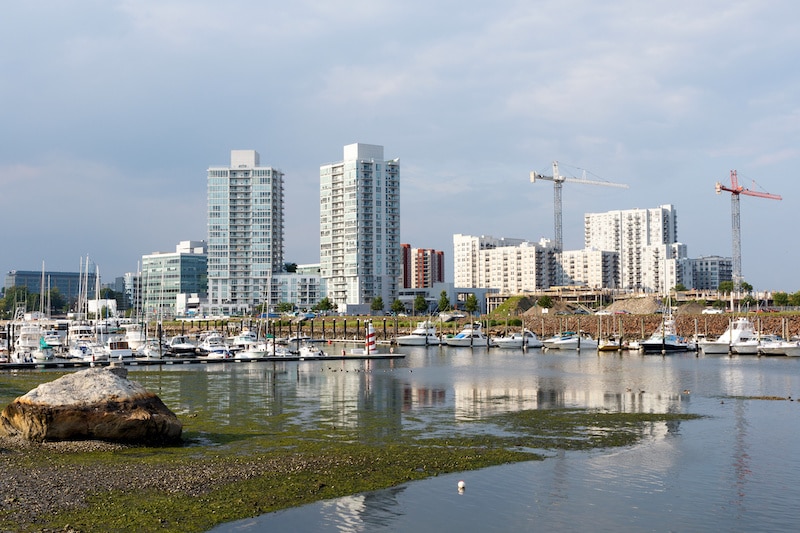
[111, 112]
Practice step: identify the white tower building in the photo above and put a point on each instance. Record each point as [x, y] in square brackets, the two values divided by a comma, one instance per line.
[245, 232]
[360, 227]
[650, 257]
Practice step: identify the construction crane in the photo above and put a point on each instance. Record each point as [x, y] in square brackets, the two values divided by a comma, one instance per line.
[558, 183]
[736, 190]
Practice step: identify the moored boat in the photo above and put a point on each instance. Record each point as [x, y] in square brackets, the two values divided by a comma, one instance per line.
[423, 335]
[471, 335]
[739, 331]
[574, 341]
[665, 340]
[180, 346]
[524, 339]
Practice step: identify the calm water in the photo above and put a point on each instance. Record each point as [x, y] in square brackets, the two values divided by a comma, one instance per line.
[734, 471]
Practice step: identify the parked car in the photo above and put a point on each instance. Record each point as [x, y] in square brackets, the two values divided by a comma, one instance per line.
[712, 311]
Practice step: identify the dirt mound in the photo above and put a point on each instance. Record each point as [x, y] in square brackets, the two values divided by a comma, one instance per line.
[638, 306]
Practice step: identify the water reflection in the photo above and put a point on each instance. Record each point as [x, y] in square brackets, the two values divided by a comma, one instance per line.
[735, 470]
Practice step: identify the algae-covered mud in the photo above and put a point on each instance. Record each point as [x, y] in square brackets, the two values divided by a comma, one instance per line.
[260, 440]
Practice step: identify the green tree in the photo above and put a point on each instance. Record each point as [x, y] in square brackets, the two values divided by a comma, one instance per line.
[290, 267]
[444, 302]
[284, 307]
[420, 305]
[725, 287]
[545, 302]
[746, 287]
[377, 304]
[680, 287]
[57, 301]
[749, 301]
[780, 299]
[471, 305]
[794, 299]
[324, 305]
[398, 306]
[18, 296]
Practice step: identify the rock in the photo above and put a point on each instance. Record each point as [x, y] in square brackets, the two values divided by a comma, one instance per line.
[97, 404]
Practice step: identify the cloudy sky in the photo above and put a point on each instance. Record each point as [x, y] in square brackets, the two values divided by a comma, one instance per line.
[113, 110]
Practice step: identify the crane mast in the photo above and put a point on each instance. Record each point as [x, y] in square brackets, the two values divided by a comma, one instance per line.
[558, 184]
[736, 228]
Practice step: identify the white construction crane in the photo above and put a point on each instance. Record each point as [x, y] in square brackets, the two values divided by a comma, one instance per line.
[558, 183]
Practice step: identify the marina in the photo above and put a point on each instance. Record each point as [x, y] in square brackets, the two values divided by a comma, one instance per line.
[715, 473]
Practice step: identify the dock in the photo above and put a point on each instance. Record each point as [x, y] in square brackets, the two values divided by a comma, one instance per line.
[58, 364]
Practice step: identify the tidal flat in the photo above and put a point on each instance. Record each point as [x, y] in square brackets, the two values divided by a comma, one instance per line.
[225, 472]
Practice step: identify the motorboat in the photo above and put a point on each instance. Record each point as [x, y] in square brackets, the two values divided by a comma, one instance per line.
[573, 340]
[211, 341]
[243, 340]
[665, 339]
[180, 345]
[117, 348]
[550, 342]
[310, 350]
[779, 346]
[423, 335]
[263, 349]
[524, 339]
[86, 350]
[611, 344]
[135, 336]
[218, 352]
[740, 330]
[470, 335]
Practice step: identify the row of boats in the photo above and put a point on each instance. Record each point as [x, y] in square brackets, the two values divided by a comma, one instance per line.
[740, 338]
[36, 341]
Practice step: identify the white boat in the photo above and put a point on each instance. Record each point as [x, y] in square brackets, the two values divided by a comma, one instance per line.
[86, 350]
[310, 350]
[243, 340]
[574, 341]
[180, 345]
[423, 335]
[30, 342]
[117, 348]
[550, 342]
[134, 335]
[739, 331]
[470, 335]
[780, 347]
[210, 342]
[524, 339]
[665, 339]
[151, 349]
[263, 349]
[301, 338]
[53, 339]
[218, 352]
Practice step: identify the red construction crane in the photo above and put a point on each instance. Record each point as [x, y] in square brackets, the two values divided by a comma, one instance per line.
[735, 189]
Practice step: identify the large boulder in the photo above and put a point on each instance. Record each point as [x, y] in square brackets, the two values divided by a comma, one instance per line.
[97, 403]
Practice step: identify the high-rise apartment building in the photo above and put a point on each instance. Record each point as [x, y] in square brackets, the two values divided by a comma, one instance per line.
[422, 267]
[360, 227]
[650, 257]
[245, 232]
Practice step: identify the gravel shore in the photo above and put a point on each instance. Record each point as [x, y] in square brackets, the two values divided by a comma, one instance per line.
[34, 484]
